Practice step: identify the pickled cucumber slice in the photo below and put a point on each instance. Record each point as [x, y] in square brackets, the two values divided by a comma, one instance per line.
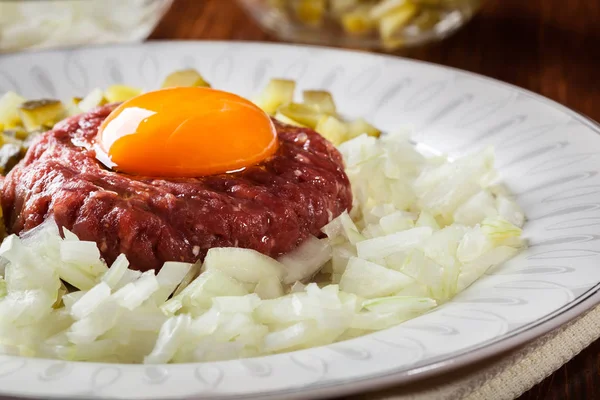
[279, 4]
[360, 126]
[320, 101]
[339, 7]
[2, 225]
[392, 23]
[427, 19]
[332, 129]
[278, 92]
[386, 7]
[72, 107]
[31, 136]
[119, 93]
[10, 154]
[310, 12]
[15, 135]
[9, 109]
[392, 43]
[41, 114]
[302, 114]
[282, 118]
[186, 78]
[358, 21]
[94, 99]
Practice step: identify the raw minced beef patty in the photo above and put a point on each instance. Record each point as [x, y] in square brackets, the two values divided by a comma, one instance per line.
[271, 207]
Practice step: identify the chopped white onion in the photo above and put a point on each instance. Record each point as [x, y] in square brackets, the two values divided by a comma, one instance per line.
[90, 300]
[421, 230]
[245, 265]
[303, 262]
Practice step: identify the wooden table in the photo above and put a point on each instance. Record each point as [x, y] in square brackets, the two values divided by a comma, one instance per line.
[551, 47]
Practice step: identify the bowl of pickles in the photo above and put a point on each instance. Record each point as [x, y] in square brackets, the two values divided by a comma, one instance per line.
[372, 24]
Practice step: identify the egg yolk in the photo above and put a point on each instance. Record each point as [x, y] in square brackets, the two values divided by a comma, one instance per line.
[185, 132]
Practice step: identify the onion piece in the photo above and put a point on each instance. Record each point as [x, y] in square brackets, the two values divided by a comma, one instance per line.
[306, 260]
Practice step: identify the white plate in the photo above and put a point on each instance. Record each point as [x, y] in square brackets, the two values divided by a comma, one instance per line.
[548, 155]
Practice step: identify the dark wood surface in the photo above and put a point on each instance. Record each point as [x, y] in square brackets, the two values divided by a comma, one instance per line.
[551, 47]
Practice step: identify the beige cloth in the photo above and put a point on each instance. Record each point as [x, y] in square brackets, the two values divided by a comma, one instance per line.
[507, 376]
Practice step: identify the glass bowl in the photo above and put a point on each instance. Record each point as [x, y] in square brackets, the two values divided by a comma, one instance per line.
[371, 24]
[65, 23]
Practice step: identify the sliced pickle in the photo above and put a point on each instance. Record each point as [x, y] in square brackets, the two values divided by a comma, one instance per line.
[341, 7]
[386, 7]
[392, 43]
[2, 232]
[94, 99]
[319, 100]
[360, 126]
[31, 137]
[393, 22]
[17, 134]
[119, 93]
[282, 118]
[301, 113]
[310, 12]
[427, 19]
[72, 107]
[39, 114]
[278, 92]
[62, 290]
[358, 21]
[185, 78]
[10, 154]
[277, 3]
[10, 136]
[332, 129]
[442, 3]
[9, 109]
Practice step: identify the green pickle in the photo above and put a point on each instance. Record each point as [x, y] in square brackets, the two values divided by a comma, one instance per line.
[302, 113]
[386, 20]
[277, 93]
[320, 100]
[38, 114]
[10, 154]
[310, 12]
[427, 19]
[185, 78]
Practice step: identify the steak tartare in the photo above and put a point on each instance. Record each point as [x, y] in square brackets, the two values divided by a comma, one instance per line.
[271, 207]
